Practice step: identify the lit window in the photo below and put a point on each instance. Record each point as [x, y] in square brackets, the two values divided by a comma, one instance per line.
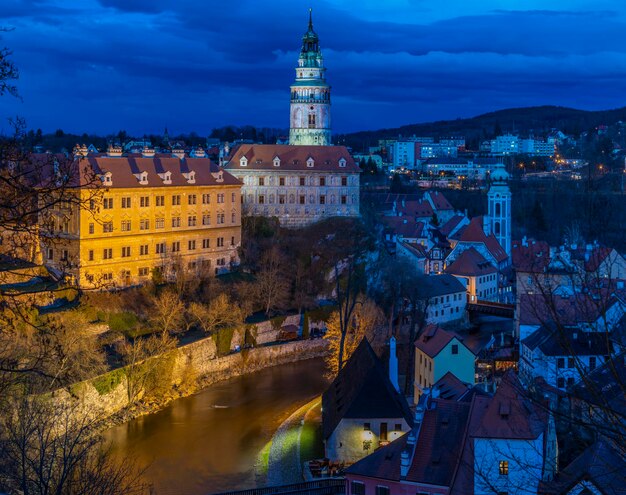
[504, 468]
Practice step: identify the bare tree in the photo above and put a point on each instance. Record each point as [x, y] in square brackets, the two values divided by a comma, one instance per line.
[144, 375]
[272, 283]
[220, 312]
[367, 321]
[47, 448]
[169, 312]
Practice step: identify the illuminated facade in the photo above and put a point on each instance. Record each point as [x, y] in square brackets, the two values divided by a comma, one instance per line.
[153, 213]
[299, 185]
[309, 122]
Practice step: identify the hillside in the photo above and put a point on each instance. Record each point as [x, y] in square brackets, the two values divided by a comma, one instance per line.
[538, 120]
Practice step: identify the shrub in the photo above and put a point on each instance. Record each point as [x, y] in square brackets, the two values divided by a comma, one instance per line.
[123, 322]
[223, 337]
[108, 382]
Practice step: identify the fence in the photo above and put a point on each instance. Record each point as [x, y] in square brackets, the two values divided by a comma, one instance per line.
[318, 487]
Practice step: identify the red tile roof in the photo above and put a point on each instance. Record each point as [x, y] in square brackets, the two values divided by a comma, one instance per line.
[439, 201]
[578, 308]
[405, 226]
[449, 227]
[470, 263]
[261, 157]
[124, 168]
[511, 414]
[474, 233]
[415, 209]
[596, 258]
[434, 339]
[533, 257]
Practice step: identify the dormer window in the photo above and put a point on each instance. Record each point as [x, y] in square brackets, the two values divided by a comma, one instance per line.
[276, 161]
[342, 162]
[142, 177]
[218, 176]
[243, 161]
[190, 176]
[107, 179]
[310, 162]
[166, 177]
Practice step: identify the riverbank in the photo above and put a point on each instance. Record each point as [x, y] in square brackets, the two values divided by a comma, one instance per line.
[209, 442]
[297, 439]
[123, 394]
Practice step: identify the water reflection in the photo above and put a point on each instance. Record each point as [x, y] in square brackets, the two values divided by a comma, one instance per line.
[209, 442]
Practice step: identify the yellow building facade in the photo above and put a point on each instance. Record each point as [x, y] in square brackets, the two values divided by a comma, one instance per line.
[145, 215]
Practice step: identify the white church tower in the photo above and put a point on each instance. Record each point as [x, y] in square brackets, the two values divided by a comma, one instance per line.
[310, 95]
[499, 207]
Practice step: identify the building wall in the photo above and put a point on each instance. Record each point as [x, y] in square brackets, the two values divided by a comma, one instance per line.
[429, 370]
[298, 205]
[350, 441]
[525, 464]
[533, 364]
[395, 487]
[447, 308]
[127, 254]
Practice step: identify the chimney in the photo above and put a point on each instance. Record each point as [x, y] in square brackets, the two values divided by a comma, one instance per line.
[419, 415]
[393, 364]
[405, 462]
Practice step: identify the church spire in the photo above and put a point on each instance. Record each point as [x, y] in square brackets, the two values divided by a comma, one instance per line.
[310, 19]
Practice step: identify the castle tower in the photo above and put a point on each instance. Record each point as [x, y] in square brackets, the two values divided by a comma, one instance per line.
[499, 207]
[310, 95]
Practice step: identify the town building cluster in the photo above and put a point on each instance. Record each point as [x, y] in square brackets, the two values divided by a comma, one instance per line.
[139, 212]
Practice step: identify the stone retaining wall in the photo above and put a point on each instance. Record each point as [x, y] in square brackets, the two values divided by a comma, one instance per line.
[186, 369]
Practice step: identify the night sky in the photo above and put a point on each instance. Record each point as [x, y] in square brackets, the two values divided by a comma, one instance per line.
[191, 65]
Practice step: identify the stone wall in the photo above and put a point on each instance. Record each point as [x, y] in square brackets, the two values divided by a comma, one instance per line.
[185, 370]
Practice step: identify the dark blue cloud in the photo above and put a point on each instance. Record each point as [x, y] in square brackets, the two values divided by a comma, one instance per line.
[193, 65]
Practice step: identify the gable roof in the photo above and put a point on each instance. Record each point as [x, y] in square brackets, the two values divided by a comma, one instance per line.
[434, 339]
[474, 233]
[438, 201]
[124, 168]
[450, 387]
[598, 464]
[436, 451]
[451, 225]
[555, 342]
[530, 256]
[570, 310]
[362, 390]
[510, 414]
[443, 453]
[439, 285]
[292, 157]
[470, 263]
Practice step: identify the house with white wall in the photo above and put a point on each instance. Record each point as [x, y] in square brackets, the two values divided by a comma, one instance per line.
[362, 409]
[437, 352]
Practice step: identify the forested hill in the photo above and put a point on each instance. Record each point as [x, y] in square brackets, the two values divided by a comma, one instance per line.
[537, 120]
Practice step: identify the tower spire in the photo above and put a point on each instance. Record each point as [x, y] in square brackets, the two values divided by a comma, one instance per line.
[310, 19]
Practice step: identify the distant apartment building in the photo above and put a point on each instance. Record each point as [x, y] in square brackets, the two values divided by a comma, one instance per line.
[470, 168]
[141, 213]
[299, 185]
[507, 144]
[536, 147]
[404, 154]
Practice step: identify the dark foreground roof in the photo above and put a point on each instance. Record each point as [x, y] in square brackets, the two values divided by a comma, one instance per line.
[362, 390]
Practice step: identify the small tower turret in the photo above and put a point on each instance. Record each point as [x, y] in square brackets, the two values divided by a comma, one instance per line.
[499, 206]
[310, 95]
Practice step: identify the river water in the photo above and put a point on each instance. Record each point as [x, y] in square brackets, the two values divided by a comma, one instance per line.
[210, 442]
